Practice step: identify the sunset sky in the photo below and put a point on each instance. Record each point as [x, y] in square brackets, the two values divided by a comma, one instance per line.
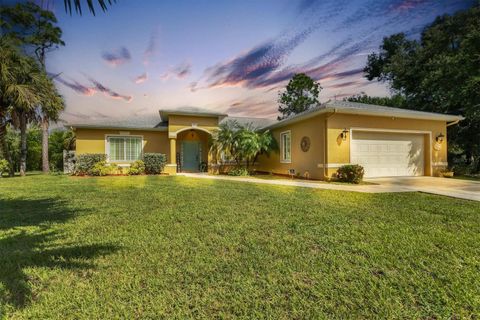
[229, 56]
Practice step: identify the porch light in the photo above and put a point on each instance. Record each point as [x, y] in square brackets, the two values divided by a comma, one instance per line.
[344, 134]
[440, 138]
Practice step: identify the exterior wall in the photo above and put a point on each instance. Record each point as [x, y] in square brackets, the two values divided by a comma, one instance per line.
[304, 163]
[176, 123]
[93, 140]
[338, 151]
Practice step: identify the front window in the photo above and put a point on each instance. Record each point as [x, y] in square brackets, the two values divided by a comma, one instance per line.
[286, 147]
[124, 148]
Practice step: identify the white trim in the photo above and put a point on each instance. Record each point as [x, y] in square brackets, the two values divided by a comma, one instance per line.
[440, 164]
[107, 145]
[173, 135]
[281, 147]
[396, 131]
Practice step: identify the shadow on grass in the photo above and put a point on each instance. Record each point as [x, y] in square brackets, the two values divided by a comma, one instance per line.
[29, 241]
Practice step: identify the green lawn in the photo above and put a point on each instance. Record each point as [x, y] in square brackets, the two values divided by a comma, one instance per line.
[172, 247]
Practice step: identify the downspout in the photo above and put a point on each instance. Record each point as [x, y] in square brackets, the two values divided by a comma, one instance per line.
[325, 143]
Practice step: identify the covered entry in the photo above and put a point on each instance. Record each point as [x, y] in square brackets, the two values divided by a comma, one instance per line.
[191, 153]
[388, 154]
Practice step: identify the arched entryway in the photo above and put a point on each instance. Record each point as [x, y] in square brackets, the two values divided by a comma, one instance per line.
[192, 150]
[189, 150]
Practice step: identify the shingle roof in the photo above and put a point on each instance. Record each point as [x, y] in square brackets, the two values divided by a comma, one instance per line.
[256, 122]
[364, 109]
[143, 122]
[192, 111]
[154, 121]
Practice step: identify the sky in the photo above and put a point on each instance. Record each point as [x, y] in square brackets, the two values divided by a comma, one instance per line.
[227, 56]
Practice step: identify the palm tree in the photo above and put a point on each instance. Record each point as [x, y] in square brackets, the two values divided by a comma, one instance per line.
[241, 142]
[77, 5]
[23, 86]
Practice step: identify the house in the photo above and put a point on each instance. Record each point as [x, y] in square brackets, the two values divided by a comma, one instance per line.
[385, 141]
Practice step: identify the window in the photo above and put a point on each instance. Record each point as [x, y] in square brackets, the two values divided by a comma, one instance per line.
[124, 148]
[286, 147]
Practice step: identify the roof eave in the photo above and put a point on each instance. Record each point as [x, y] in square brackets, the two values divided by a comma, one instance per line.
[165, 113]
[426, 116]
[80, 126]
[421, 116]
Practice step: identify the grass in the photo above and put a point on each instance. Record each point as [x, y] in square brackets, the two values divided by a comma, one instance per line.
[472, 178]
[174, 247]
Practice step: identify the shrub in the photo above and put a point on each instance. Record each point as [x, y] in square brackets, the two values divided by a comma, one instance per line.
[85, 162]
[154, 162]
[101, 168]
[4, 166]
[238, 172]
[352, 173]
[138, 167]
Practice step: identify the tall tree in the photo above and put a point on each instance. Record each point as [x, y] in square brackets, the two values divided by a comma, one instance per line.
[35, 30]
[23, 86]
[439, 73]
[301, 93]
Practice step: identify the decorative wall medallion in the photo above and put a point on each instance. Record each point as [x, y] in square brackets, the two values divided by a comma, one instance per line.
[305, 144]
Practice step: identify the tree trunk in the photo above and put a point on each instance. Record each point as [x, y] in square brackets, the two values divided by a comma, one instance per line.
[45, 163]
[23, 144]
[4, 148]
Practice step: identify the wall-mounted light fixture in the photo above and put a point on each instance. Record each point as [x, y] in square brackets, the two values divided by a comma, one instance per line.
[344, 134]
[440, 138]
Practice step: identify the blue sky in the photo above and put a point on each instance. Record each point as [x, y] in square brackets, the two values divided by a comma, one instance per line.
[229, 56]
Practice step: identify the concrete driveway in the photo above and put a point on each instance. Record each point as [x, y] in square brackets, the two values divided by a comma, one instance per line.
[457, 188]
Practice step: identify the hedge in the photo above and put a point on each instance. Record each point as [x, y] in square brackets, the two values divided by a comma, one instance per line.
[86, 162]
[154, 162]
[352, 173]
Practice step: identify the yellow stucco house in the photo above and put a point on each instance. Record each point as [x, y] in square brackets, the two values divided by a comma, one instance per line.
[385, 141]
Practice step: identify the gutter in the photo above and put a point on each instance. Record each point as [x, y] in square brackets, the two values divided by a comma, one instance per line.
[454, 122]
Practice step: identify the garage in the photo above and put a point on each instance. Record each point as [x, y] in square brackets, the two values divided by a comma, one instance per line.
[388, 154]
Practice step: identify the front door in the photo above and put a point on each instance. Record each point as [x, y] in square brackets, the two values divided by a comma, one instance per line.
[191, 156]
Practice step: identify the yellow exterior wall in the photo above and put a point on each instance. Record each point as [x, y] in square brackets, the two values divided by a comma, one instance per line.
[303, 162]
[339, 151]
[176, 123]
[93, 140]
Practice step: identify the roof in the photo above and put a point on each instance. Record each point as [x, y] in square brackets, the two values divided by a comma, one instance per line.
[158, 122]
[255, 122]
[144, 122]
[364, 109]
[190, 111]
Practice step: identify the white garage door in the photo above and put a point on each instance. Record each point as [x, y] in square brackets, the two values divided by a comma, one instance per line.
[384, 154]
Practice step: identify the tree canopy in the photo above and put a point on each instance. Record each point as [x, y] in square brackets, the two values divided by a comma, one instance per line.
[300, 94]
[440, 72]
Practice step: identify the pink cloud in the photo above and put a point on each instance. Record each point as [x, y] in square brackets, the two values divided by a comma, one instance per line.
[141, 78]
